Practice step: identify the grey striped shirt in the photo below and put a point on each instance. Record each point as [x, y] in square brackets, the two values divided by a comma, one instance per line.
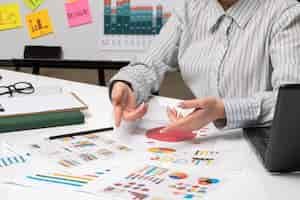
[241, 55]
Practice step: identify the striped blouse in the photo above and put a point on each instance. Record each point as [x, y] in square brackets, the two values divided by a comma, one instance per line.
[241, 55]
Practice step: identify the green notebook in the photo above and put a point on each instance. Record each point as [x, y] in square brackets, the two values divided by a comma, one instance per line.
[43, 120]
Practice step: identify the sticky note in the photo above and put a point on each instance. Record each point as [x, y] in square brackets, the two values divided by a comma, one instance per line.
[78, 13]
[33, 4]
[10, 17]
[39, 24]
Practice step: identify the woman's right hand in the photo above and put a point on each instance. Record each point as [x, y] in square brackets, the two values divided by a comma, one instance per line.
[124, 104]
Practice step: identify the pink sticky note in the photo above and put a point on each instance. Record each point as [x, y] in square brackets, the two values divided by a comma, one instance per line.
[78, 13]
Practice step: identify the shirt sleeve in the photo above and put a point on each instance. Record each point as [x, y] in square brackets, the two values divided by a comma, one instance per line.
[146, 72]
[284, 48]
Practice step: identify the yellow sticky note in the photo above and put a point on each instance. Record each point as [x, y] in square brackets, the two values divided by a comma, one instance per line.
[39, 24]
[33, 4]
[10, 16]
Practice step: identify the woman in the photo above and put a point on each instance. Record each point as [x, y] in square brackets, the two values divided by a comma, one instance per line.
[233, 54]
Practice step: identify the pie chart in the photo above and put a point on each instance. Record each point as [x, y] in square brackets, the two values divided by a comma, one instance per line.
[178, 175]
[207, 181]
[170, 136]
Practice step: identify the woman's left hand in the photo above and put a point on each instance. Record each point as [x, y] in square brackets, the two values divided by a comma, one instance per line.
[206, 110]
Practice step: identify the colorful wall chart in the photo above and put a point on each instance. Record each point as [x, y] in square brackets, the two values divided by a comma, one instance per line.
[10, 17]
[39, 24]
[78, 13]
[129, 17]
[33, 4]
[126, 19]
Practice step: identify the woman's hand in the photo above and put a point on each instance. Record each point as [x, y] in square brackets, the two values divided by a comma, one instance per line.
[124, 104]
[206, 110]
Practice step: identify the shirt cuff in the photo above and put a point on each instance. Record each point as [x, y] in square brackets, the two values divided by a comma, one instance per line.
[241, 113]
[140, 89]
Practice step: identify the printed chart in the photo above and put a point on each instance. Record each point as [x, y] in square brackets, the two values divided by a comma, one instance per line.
[70, 152]
[76, 180]
[174, 148]
[133, 24]
[13, 159]
[153, 182]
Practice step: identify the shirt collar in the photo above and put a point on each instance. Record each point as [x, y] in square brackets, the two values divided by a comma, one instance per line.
[241, 12]
[215, 12]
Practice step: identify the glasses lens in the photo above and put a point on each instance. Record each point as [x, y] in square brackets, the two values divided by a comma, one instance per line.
[24, 87]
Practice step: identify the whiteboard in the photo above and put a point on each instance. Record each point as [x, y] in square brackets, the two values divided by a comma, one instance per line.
[79, 43]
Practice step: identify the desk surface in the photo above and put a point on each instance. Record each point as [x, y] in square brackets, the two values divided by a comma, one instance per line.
[253, 182]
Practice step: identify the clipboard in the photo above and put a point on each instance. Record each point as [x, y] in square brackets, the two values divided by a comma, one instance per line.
[30, 105]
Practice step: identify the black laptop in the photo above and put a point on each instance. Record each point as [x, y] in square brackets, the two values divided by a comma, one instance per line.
[279, 145]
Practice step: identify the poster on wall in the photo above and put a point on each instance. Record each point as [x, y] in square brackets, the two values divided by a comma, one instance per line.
[133, 24]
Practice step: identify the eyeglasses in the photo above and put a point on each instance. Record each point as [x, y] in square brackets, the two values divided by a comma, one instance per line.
[19, 87]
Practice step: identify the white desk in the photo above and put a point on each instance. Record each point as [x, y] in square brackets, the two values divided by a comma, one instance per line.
[253, 183]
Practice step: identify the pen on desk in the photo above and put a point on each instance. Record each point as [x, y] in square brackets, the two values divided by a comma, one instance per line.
[81, 133]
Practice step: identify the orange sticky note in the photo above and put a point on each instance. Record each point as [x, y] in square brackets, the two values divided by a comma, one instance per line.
[39, 24]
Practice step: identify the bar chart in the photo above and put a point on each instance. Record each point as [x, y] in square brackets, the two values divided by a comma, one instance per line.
[133, 24]
[125, 17]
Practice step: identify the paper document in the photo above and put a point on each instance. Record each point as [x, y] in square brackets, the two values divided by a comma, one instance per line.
[69, 152]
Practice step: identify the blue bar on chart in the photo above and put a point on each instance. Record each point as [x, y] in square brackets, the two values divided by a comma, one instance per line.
[6, 161]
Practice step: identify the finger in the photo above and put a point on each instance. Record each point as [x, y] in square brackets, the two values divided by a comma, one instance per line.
[195, 103]
[117, 97]
[136, 113]
[172, 114]
[117, 94]
[131, 100]
[118, 111]
[182, 124]
[180, 116]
